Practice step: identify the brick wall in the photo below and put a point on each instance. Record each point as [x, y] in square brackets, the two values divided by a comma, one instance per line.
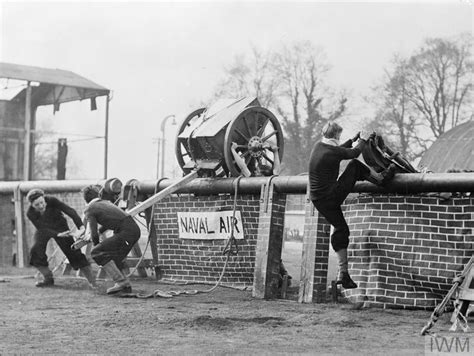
[202, 260]
[271, 222]
[405, 250]
[315, 257]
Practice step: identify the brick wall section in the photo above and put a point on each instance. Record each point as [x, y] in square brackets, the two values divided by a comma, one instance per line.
[321, 258]
[269, 244]
[405, 250]
[203, 260]
[315, 253]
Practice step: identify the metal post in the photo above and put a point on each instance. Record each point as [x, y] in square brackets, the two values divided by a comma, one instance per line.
[158, 152]
[27, 142]
[163, 153]
[106, 136]
[163, 142]
[21, 243]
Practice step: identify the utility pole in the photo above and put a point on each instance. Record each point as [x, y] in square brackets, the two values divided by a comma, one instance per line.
[62, 154]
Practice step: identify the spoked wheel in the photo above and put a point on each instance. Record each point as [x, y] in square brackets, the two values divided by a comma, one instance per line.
[255, 131]
[183, 155]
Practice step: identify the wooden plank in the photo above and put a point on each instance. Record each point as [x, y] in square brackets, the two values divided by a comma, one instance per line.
[307, 269]
[162, 194]
[269, 244]
[22, 245]
[308, 256]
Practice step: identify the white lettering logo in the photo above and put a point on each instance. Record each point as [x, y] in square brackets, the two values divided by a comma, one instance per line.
[210, 225]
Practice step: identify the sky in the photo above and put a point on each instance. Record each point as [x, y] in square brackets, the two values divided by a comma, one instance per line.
[166, 58]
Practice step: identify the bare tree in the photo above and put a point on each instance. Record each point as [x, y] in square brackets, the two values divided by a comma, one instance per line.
[290, 81]
[432, 88]
[250, 77]
[439, 82]
[302, 68]
[394, 117]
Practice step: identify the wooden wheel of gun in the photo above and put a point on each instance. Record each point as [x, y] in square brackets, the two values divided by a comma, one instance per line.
[183, 154]
[254, 130]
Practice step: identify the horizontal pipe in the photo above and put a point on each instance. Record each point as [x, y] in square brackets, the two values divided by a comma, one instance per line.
[49, 186]
[402, 183]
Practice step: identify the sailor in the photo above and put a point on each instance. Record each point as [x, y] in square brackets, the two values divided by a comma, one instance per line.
[47, 215]
[111, 252]
[328, 192]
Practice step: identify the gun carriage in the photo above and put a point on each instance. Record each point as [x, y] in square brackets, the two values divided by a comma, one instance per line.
[206, 136]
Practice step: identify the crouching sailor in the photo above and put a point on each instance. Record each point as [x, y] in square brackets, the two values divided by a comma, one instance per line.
[47, 214]
[111, 252]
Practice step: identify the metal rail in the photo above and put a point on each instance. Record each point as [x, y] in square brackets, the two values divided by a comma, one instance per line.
[406, 183]
[56, 186]
[402, 183]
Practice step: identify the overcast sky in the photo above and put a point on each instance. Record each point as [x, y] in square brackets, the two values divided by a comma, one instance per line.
[163, 58]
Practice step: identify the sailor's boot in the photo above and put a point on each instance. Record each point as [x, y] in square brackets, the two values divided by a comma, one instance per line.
[122, 284]
[48, 279]
[383, 177]
[87, 273]
[344, 278]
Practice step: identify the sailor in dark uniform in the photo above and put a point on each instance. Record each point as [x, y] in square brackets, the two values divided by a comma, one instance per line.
[111, 252]
[47, 215]
[328, 192]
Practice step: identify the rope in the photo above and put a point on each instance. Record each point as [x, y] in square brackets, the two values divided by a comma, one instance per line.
[232, 242]
[227, 252]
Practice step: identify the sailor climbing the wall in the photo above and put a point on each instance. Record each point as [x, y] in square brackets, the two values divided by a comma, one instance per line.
[328, 192]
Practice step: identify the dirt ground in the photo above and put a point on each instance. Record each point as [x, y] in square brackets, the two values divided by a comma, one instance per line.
[71, 319]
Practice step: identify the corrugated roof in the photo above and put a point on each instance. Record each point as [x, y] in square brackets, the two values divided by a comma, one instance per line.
[48, 76]
[452, 150]
[56, 85]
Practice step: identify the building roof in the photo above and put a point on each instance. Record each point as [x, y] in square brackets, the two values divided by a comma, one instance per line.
[55, 85]
[452, 150]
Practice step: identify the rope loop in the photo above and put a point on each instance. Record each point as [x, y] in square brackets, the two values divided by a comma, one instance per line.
[232, 247]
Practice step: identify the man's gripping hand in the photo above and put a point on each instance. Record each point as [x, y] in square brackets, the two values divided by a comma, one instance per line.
[79, 232]
[356, 137]
[75, 233]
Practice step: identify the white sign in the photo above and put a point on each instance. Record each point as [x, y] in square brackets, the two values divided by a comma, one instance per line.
[209, 225]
